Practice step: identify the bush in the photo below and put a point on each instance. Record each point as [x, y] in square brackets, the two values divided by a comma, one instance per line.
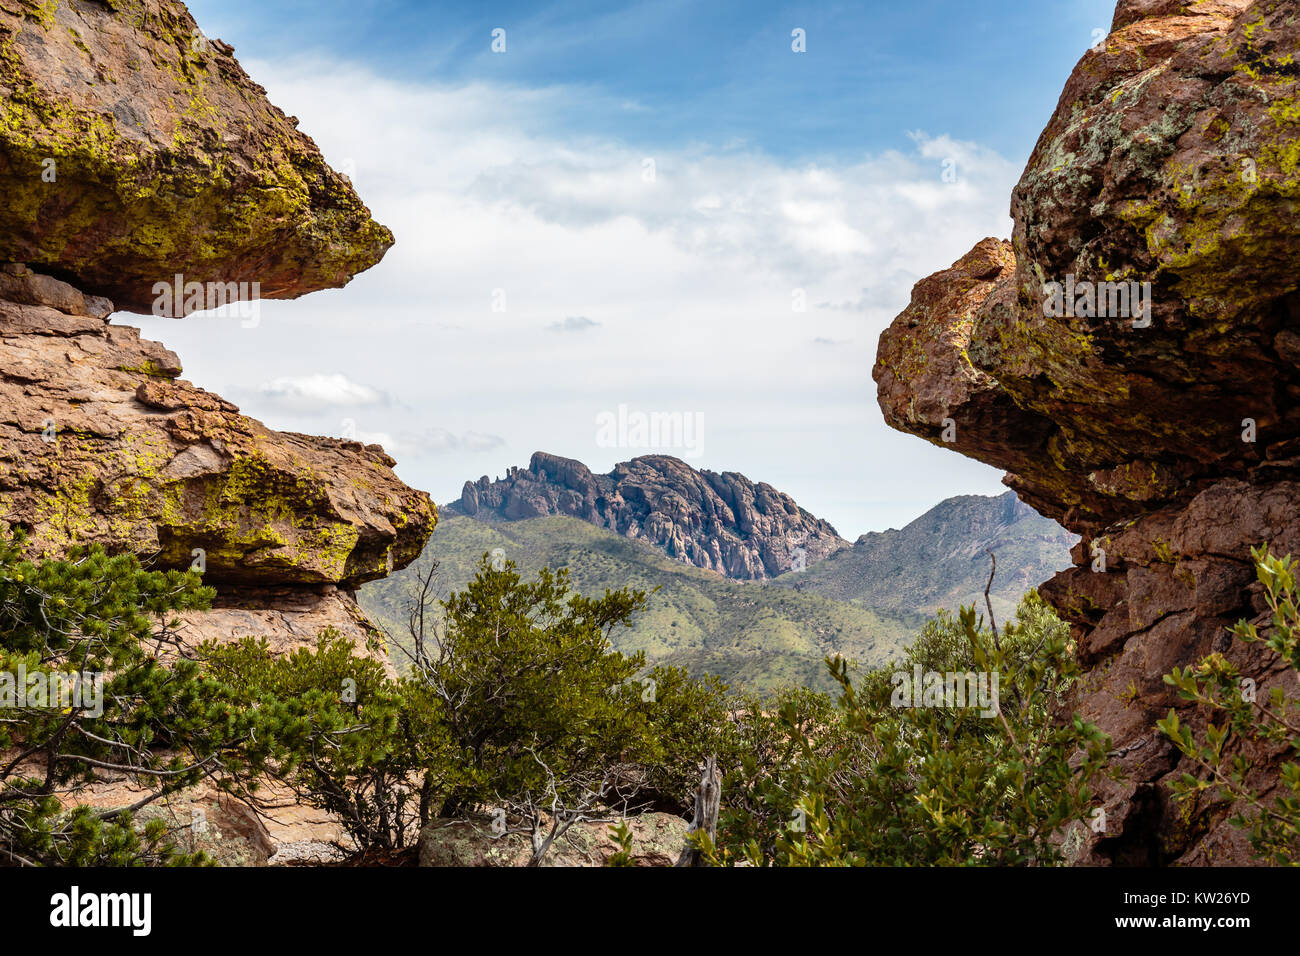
[529, 686]
[547, 725]
[864, 782]
[348, 739]
[159, 720]
[1216, 683]
[687, 719]
[521, 703]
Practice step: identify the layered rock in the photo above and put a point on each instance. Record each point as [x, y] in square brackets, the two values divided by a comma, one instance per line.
[722, 522]
[133, 149]
[101, 441]
[1169, 438]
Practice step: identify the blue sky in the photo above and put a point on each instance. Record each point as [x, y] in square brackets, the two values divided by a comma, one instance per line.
[678, 72]
[659, 207]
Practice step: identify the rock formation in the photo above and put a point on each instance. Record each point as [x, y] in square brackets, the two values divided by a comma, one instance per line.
[100, 441]
[1170, 439]
[133, 150]
[722, 522]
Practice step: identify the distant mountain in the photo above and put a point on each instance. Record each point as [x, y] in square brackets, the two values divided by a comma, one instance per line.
[650, 521]
[721, 522]
[941, 560]
[749, 633]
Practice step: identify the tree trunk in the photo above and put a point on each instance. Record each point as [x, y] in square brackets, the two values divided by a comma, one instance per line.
[707, 801]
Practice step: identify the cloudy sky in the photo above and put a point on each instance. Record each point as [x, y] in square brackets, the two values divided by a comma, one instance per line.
[658, 207]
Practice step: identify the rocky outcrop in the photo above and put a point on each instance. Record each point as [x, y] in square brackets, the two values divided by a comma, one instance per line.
[100, 440]
[722, 522]
[232, 832]
[134, 149]
[1168, 436]
[657, 840]
[138, 159]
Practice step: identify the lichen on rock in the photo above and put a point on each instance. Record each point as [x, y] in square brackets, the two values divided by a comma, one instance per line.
[1171, 442]
[100, 441]
[134, 149]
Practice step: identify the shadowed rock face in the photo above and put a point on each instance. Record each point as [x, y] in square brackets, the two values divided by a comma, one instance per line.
[133, 149]
[1170, 440]
[722, 522]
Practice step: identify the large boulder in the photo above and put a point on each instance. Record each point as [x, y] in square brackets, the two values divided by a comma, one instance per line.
[1168, 436]
[1171, 160]
[134, 149]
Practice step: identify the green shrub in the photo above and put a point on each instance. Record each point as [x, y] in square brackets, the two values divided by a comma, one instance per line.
[164, 722]
[370, 750]
[863, 782]
[1215, 682]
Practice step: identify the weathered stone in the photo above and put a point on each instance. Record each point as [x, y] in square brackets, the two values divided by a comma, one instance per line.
[231, 832]
[134, 149]
[99, 442]
[287, 618]
[1173, 447]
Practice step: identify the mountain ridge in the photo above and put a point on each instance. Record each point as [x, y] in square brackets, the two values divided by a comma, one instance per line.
[747, 632]
[720, 521]
[941, 559]
[865, 601]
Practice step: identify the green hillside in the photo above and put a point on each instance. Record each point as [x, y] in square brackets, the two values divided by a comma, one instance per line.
[751, 634]
[941, 560]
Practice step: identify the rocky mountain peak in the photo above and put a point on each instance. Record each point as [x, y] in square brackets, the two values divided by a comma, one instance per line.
[720, 521]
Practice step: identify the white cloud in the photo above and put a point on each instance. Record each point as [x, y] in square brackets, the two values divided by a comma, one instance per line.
[416, 445]
[440, 441]
[475, 441]
[693, 274]
[573, 323]
[305, 392]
